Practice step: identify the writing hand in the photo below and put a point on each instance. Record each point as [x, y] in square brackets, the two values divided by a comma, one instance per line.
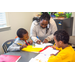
[52, 54]
[23, 46]
[30, 41]
[54, 47]
[45, 41]
[38, 41]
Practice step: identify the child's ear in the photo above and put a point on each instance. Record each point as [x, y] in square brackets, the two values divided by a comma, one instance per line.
[60, 42]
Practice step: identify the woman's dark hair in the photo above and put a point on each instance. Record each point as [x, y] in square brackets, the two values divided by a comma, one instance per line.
[20, 32]
[62, 35]
[45, 16]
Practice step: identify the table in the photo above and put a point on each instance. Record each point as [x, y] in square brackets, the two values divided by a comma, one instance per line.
[25, 56]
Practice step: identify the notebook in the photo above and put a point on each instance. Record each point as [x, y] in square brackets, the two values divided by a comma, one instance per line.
[49, 50]
[31, 48]
[44, 55]
[9, 58]
[37, 47]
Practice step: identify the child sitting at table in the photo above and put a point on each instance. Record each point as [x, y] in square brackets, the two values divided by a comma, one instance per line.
[20, 42]
[66, 51]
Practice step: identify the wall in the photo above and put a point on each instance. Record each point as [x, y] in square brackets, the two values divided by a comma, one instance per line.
[16, 20]
[23, 20]
[73, 15]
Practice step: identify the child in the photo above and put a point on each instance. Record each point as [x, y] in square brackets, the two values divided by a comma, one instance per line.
[66, 53]
[20, 42]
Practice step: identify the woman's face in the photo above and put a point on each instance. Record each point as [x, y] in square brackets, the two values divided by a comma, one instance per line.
[43, 23]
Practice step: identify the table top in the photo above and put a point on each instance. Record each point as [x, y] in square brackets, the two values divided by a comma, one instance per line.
[25, 56]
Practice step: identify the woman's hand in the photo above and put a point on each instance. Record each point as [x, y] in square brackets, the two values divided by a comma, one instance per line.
[38, 41]
[45, 41]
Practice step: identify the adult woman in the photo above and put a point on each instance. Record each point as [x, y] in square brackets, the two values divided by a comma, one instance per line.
[44, 29]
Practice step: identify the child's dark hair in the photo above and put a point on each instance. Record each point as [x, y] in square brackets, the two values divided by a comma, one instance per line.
[45, 16]
[20, 32]
[62, 35]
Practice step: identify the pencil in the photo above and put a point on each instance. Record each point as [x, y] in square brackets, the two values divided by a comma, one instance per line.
[19, 44]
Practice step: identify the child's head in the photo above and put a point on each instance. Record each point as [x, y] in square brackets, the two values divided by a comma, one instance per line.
[61, 37]
[22, 34]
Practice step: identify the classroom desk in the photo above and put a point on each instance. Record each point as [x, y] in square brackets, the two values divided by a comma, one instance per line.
[25, 56]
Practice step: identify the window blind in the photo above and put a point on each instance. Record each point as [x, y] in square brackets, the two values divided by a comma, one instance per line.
[2, 19]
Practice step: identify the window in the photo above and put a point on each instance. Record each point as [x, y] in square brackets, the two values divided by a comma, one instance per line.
[3, 23]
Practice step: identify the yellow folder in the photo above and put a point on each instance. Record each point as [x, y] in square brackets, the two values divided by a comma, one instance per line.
[31, 48]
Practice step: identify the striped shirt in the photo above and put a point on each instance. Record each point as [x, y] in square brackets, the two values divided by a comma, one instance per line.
[16, 45]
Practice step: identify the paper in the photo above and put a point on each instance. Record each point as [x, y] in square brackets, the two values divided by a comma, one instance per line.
[44, 55]
[43, 45]
[49, 50]
[40, 58]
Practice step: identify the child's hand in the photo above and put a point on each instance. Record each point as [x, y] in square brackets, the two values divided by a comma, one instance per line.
[52, 54]
[30, 41]
[23, 46]
[54, 47]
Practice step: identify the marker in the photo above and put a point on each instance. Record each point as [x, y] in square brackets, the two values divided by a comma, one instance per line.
[37, 37]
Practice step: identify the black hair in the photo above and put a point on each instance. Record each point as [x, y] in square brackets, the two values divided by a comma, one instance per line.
[62, 35]
[45, 16]
[20, 32]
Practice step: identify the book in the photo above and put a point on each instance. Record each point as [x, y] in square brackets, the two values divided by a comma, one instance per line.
[37, 47]
[49, 50]
[9, 58]
[31, 48]
[44, 54]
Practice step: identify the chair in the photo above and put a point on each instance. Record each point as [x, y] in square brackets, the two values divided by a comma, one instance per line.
[7, 44]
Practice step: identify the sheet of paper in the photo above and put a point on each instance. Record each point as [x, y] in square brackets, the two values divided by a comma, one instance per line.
[49, 51]
[43, 45]
[40, 58]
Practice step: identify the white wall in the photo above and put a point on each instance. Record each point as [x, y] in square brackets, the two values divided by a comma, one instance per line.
[16, 20]
[20, 20]
[73, 15]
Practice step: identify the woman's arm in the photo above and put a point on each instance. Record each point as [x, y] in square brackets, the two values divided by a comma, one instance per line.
[53, 29]
[33, 31]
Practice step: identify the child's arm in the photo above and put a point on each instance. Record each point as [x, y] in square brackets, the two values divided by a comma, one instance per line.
[15, 47]
[55, 47]
[62, 55]
[23, 46]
